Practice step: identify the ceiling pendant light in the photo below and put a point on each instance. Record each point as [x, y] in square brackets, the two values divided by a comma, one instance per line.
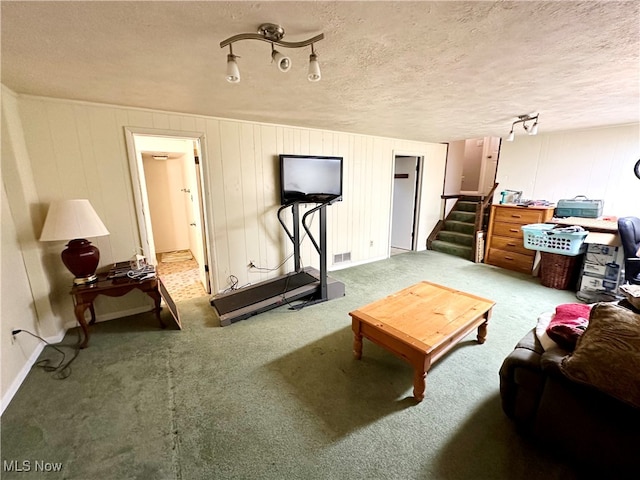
[272, 33]
[511, 136]
[314, 74]
[233, 72]
[283, 62]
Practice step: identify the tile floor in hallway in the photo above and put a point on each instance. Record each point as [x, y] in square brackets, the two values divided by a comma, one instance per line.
[181, 279]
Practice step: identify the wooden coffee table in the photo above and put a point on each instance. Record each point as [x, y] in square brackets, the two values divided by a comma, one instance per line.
[420, 324]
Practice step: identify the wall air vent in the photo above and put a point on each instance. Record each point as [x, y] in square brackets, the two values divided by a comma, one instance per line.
[342, 257]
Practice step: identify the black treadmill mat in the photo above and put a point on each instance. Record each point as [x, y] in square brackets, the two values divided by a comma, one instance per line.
[263, 291]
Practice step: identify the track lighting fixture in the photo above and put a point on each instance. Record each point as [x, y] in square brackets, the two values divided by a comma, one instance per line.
[530, 129]
[273, 34]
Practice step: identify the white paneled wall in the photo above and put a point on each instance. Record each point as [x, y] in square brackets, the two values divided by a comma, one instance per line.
[597, 163]
[78, 150]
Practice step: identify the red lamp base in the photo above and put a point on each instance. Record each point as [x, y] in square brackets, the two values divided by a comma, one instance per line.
[81, 258]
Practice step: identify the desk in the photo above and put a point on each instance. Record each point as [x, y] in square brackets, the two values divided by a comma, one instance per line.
[84, 295]
[606, 230]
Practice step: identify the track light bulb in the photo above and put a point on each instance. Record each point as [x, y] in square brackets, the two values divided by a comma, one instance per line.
[314, 68]
[284, 63]
[233, 72]
[511, 136]
[534, 129]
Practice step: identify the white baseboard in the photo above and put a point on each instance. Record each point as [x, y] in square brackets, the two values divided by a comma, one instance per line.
[15, 385]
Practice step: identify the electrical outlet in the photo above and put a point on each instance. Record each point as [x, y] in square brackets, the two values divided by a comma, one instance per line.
[371, 243]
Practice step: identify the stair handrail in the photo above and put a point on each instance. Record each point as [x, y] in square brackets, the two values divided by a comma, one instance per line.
[489, 197]
[478, 253]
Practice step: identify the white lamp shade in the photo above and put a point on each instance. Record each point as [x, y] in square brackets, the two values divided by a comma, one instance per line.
[233, 72]
[72, 219]
[511, 136]
[534, 129]
[314, 68]
[283, 62]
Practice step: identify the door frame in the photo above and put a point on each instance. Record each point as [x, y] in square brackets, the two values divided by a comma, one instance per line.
[140, 193]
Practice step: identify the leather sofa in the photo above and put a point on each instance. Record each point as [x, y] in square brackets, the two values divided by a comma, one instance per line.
[581, 424]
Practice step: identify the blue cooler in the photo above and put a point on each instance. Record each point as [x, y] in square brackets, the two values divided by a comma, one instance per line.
[579, 206]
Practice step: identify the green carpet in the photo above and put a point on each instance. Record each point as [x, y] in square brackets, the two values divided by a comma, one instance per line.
[279, 395]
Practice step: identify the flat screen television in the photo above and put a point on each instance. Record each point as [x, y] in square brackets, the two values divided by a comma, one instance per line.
[310, 179]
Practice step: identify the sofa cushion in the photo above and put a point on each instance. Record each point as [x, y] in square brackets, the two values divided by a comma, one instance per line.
[568, 324]
[607, 355]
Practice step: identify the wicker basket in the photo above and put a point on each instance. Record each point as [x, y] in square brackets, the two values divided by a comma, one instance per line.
[558, 271]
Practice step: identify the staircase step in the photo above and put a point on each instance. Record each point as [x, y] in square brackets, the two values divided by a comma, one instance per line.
[452, 249]
[462, 227]
[461, 216]
[466, 206]
[456, 237]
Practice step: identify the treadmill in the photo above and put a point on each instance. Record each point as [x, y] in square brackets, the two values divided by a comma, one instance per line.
[303, 283]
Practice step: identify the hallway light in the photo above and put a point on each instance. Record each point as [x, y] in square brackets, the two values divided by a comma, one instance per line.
[273, 34]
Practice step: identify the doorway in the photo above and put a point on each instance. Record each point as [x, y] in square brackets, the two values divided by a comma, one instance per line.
[479, 165]
[406, 180]
[167, 171]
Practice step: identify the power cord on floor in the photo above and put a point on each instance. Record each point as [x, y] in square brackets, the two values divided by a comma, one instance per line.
[63, 369]
[293, 306]
[233, 280]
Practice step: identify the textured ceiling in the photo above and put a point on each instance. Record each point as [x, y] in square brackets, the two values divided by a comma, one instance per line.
[431, 71]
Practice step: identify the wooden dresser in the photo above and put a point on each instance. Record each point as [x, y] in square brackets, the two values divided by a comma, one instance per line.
[504, 239]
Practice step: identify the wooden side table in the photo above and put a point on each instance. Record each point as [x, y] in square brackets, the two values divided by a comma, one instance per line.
[84, 296]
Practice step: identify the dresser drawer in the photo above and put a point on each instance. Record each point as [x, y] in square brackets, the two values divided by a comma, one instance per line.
[510, 230]
[510, 244]
[521, 216]
[511, 260]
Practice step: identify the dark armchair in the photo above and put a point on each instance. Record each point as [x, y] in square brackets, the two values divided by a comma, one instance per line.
[629, 230]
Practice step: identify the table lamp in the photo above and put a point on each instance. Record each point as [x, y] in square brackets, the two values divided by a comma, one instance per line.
[74, 220]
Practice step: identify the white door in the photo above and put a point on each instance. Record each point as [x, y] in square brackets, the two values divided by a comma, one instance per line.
[199, 220]
[404, 202]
